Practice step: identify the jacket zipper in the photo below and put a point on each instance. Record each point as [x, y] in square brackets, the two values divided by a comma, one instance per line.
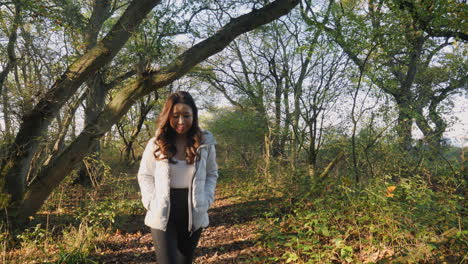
[190, 229]
[169, 205]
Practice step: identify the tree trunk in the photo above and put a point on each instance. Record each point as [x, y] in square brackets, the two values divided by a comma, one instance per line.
[276, 137]
[312, 147]
[404, 126]
[73, 129]
[287, 120]
[330, 166]
[276, 144]
[6, 115]
[94, 105]
[11, 45]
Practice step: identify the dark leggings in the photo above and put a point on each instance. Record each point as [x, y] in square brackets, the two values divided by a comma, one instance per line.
[176, 245]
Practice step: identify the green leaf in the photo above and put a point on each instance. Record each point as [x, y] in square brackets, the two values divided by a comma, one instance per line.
[291, 257]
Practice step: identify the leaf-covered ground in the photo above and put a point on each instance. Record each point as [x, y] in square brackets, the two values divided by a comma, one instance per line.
[230, 238]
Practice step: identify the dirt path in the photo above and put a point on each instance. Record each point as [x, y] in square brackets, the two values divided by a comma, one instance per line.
[230, 238]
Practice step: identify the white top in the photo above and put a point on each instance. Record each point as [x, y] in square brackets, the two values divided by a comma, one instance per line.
[180, 174]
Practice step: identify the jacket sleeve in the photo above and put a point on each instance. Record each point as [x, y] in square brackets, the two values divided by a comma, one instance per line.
[146, 175]
[211, 174]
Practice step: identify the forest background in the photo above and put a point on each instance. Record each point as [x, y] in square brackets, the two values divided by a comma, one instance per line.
[335, 112]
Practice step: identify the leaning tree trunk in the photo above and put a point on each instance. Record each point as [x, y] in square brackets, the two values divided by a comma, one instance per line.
[51, 176]
[35, 124]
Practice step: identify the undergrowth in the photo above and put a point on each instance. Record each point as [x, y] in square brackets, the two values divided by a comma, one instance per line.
[381, 222]
[302, 219]
[75, 223]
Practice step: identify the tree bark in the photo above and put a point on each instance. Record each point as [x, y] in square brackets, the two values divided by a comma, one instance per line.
[11, 45]
[405, 123]
[285, 133]
[276, 138]
[6, 115]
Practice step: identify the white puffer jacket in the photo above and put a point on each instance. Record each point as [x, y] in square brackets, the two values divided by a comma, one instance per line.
[153, 178]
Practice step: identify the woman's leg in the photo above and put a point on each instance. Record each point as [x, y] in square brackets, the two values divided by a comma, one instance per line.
[176, 245]
[187, 244]
[165, 243]
[173, 246]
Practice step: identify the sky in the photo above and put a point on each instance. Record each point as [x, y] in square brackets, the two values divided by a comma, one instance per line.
[460, 128]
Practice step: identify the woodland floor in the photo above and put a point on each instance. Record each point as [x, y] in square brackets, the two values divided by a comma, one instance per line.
[230, 238]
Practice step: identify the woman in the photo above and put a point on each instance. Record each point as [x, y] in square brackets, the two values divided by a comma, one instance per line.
[177, 178]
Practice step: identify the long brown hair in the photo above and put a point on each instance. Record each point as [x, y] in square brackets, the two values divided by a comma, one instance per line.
[165, 134]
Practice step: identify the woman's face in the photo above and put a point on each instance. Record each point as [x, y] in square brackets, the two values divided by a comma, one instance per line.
[181, 118]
